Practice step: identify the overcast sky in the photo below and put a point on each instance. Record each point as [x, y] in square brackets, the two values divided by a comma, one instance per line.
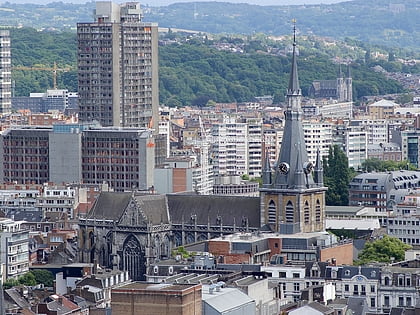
[166, 2]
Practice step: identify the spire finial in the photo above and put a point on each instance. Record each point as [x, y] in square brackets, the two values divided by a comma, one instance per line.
[294, 88]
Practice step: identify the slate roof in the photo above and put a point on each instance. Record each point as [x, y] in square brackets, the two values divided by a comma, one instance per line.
[231, 209]
[154, 207]
[109, 206]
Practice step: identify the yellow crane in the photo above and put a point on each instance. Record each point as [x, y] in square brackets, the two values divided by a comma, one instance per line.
[54, 70]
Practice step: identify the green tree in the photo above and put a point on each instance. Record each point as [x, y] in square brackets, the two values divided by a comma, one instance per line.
[383, 250]
[377, 165]
[43, 276]
[27, 279]
[9, 283]
[337, 176]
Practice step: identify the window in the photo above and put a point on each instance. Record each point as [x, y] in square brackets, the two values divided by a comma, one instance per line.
[372, 288]
[296, 275]
[386, 301]
[346, 287]
[272, 212]
[306, 213]
[400, 301]
[290, 213]
[372, 302]
[408, 301]
[296, 286]
[347, 272]
[356, 289]
[318, 212]
[282, 274]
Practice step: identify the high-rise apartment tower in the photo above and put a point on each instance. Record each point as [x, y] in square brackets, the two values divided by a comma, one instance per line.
[5, 73]
[118, 67]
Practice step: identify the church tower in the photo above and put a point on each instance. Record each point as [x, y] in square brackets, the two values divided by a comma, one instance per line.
[293, 197]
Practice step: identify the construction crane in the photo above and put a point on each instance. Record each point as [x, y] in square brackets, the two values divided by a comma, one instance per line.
[54, 70]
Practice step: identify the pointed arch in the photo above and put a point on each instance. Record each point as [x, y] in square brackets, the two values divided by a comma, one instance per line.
[272, 212]
[133, 258]
[306, 213]
[318, 211]
[290, 212]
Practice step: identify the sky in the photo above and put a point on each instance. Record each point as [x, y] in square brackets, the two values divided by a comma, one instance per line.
[167, 2]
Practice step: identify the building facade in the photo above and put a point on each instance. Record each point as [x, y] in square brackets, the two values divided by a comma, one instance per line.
[5, 72]
[118, 67]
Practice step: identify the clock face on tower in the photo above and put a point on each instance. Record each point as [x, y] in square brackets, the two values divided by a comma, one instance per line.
[284, 168]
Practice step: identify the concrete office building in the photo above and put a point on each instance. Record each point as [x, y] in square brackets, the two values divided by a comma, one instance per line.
[118, 67]
[121, 157]
[5, 72]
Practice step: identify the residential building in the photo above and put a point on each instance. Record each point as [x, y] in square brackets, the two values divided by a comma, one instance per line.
[229, 148]
[118, 67]
[58, 199]
[362, 281]
[352, 139]
[14, 249]
[382, 191]
[5, 73]
[318, 136]
[382, 109]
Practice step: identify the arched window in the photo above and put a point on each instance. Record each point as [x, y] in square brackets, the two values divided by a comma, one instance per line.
[386, 281]
[306, 213]
[133, 258]
[290, 213]
[272, 212]
[318, 211]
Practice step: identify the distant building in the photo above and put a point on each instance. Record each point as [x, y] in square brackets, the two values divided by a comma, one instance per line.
[5, 73]
[340, 89]
[58, 100]
[118, 67]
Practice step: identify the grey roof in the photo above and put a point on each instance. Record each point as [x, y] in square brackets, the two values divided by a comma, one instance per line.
[357, 305]
[109, 206]
[226, 299]
[112, 205]
[231, 209]
[14, 295]
[154, 207]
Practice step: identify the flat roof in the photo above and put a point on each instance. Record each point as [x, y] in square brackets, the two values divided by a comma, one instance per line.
[162, 287]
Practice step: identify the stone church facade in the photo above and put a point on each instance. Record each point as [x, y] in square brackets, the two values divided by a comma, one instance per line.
[130, 231]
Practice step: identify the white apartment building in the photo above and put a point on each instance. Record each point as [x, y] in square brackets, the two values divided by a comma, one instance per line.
[229, 148]
[5, 73]
[318, 135]
[272, 142]
[14, 249]
[254, 146]
[57, 199]
[353, 141]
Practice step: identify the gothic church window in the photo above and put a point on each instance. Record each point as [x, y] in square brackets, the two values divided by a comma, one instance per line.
[272, 212]
[290, 213]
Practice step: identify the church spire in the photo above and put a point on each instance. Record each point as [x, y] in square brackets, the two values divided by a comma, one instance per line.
[294, 88]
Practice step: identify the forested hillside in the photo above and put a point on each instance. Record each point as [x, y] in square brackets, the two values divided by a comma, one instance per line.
[392, 23]
[192, 72]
